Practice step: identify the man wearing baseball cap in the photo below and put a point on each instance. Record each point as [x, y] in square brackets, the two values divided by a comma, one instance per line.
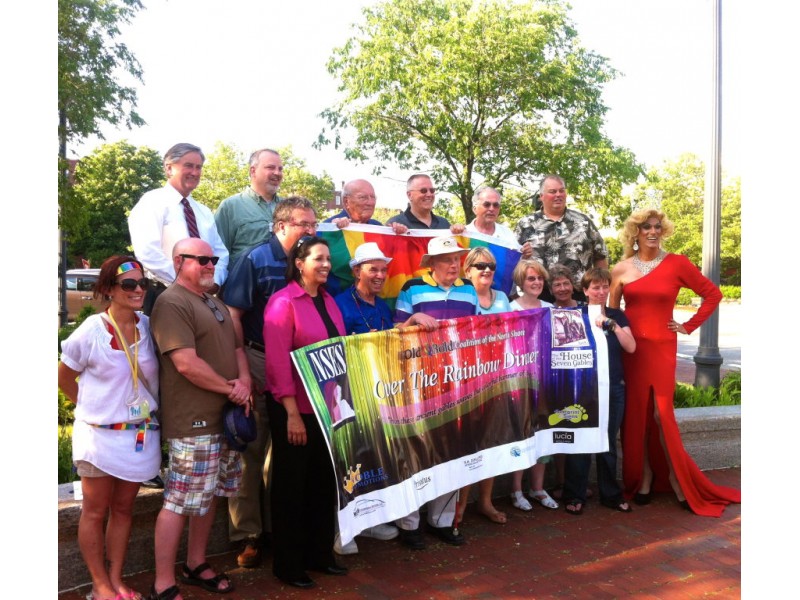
[440, 294]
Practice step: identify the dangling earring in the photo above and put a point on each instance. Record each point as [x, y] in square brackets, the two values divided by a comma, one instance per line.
[635, 245]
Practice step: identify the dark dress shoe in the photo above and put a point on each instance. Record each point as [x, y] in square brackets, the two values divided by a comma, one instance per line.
[330, 570]
[302, 581]
[447, 535]
[642, 499]
[412, 538]
[685, 505]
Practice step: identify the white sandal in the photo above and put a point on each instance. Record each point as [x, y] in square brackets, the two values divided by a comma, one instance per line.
[543, 498]
[519, 501]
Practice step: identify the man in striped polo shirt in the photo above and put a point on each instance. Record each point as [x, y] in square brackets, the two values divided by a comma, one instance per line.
[440, 294]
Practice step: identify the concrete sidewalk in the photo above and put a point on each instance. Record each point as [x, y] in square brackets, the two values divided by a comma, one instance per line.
[657, 551]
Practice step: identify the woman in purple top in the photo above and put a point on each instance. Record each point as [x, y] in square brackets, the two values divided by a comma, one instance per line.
[303, 494]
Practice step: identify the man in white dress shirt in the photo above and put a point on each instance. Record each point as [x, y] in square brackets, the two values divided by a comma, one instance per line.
[168, 214]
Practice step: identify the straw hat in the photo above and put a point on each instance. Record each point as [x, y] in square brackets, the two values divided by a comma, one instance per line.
[441, 245]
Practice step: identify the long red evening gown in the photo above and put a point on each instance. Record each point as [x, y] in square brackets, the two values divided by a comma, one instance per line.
[649, 302]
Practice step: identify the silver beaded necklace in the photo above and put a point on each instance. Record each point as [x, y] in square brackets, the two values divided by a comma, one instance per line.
[646, 266]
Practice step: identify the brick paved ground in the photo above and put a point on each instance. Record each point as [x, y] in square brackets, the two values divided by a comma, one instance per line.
[658, 551]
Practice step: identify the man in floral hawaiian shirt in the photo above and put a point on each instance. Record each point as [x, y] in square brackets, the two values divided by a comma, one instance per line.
[561, 235]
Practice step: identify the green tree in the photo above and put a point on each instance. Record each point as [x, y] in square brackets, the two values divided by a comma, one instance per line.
[615, 250]
[517, 203]
[451, 209]
[90, 62]
[678, 187]
[383, 214]
[299, 181]
[225, 173]
[108, 183]
[497, 88]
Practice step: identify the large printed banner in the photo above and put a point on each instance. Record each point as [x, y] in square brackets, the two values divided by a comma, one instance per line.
[411, 415]
[406, 250]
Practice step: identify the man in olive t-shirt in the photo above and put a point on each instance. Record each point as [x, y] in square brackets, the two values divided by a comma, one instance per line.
[202, 367]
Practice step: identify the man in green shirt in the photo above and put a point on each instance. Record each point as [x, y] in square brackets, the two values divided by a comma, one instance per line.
[245, 220]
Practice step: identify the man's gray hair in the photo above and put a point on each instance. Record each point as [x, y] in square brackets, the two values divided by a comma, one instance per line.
[414, 177]
[256, 156]
[551, 176]
[480, 189]
[178, 151]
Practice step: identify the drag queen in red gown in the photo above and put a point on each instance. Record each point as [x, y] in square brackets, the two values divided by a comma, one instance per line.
[649, 280]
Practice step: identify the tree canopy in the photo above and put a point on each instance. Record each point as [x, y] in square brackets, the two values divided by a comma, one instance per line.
[108, 182]
[678, 187]
[494, 88]
[225, 173]
[90, 64]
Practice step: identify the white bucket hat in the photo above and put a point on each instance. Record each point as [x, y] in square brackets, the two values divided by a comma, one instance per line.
[366, 252]
[441, 245]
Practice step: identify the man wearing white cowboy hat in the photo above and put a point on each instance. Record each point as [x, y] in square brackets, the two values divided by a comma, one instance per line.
[364, 311]
[440, 294]
[362, 307]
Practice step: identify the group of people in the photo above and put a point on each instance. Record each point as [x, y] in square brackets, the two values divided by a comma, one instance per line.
[208, 311]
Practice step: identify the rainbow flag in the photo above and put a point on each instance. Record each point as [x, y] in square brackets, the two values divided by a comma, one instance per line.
[406, 251]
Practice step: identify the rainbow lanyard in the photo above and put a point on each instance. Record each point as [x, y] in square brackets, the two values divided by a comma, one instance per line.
[140, 427]
[132, 363]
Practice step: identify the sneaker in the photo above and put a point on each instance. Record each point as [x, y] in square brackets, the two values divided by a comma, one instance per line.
[154, 483]
[412, 538]
[250, 556]
[520, 501]
[384, 531]
[349, 548]
[448, 535]
[543, 498]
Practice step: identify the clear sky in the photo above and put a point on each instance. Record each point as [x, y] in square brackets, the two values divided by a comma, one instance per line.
[252, 73]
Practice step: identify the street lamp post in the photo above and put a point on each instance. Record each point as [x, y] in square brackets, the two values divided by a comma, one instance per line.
[708, 359]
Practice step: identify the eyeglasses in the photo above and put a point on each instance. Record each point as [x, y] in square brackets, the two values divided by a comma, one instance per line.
[203, 260]
[217, 312]
[482, 266]
[363, 197]
[304, 224]
[425, 190]
[129, 285]
[491, 205]
[649, 226]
